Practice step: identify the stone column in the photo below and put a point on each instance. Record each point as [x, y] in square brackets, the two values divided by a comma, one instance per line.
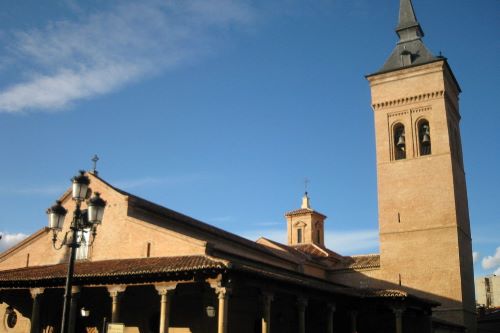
[115, 292]
[164, 290]
[301, 307]
[354, 321]
[330, 310]
[267, 298]
[223, 295]
[398, 314]
[73, 308]
[428, 321]
[35, 310]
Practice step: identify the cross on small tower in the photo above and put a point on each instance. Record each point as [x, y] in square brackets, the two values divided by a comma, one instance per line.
[306, 184]
[94, 160]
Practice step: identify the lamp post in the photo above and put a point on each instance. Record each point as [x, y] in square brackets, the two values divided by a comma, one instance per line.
[83, 221]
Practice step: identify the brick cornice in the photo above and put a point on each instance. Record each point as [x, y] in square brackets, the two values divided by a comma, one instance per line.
[408, 100]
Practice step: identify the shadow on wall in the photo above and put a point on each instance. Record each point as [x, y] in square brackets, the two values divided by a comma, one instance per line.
[449, 311]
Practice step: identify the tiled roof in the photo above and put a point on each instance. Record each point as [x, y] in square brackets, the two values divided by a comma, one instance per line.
[116, 269]
[303, 211]
[317, 251]
[359, 262]
[282, 249]
[298, 279]
[394, 293]
[383, 293]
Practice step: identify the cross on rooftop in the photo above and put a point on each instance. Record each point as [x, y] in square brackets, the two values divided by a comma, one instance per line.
[94, 160]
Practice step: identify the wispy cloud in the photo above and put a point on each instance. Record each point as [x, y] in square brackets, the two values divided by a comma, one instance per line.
[156, 181]
[492, 262]
[220, 219]
[475, 256]
[343, 242]
[270, 223]
[72, 60]
[29, 191]
[125, 184]
[8, 240]
[353, 242]
[278, 235]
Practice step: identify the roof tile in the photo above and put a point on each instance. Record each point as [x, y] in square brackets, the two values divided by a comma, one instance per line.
[359, 262]
[112, 268]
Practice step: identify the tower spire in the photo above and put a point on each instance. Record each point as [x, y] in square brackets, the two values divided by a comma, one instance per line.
[410, 50]
[408, 27]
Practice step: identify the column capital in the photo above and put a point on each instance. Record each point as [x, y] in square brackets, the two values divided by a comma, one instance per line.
[36, 291]
[301, 302]
[75, 289]
[220, 290]
[116, 289]
[398, 310]
[331, 306]
[164, 288]
[267, 296]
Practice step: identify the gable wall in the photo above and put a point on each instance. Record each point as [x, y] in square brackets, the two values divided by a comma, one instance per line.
[118, 237]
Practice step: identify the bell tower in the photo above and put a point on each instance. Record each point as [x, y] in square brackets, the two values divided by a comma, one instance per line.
[305, 225]
[425, 238]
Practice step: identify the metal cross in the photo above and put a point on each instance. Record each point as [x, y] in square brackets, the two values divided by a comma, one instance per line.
[95, 159]
[306, 183]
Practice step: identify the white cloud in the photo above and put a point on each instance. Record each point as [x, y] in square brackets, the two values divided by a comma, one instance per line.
[352, 242]
[491, 262]
[8, 240]
[343, 242]
[475, 256]
[72, 60]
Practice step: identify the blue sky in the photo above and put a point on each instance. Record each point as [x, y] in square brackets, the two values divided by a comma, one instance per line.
[220, 108]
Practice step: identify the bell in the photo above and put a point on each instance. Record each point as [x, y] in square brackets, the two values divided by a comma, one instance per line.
[401, 142]
[426, 139]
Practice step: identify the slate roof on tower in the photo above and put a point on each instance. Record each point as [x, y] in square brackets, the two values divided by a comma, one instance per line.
[410, 42]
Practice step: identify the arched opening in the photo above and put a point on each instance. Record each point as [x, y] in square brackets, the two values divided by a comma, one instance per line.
[299, 235]
[424, 137]
[399, 142]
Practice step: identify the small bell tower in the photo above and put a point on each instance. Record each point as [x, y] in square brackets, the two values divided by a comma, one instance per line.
[305, 225]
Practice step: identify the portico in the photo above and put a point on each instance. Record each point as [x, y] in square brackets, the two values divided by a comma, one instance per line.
[180, 300]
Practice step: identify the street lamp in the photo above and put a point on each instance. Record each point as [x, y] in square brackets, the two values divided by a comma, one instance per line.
[83, 221]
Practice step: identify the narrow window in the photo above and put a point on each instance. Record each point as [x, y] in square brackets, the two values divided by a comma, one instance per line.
[424, 138]
[318, 236]
[399, 142]
[299, 235]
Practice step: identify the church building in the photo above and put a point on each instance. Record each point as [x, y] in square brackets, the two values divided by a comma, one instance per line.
[148, 268]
